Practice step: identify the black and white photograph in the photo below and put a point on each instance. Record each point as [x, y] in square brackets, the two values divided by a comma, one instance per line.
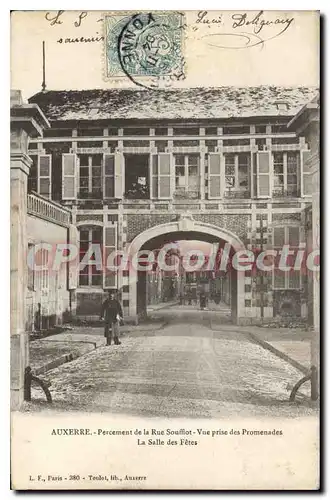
[165, 266]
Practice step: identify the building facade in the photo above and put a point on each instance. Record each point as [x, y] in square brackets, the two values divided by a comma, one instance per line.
[139, 168]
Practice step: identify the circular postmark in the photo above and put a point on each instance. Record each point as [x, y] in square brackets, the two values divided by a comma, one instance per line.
[150, 49]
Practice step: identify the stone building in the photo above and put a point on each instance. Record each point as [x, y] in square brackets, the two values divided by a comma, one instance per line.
[306, 123]
[39, 299]
[144, 168]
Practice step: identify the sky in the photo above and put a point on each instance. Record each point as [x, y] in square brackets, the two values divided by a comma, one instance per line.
[288, 59]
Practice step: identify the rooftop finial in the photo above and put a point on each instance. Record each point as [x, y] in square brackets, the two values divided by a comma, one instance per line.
[43, 85]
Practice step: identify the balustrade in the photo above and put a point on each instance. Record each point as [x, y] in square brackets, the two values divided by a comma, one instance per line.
[40, 207]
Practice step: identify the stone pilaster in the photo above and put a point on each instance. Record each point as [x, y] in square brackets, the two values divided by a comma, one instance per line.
[26, 121]
[19, 171]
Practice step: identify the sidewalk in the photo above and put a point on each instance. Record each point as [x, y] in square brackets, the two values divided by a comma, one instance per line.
[161, 305]
[291, 344]
[55, 350]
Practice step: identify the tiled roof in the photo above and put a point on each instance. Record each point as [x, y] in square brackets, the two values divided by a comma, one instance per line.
[193, 103]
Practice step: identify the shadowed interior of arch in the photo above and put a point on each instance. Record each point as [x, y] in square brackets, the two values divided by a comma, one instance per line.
[196, 282]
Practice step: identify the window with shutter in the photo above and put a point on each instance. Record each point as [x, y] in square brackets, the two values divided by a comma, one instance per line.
[306, 178]
[90, 240]
[69, 176]
[291, 279]
[187, 177]
[109, 246]
[108, 176]
[154, 176]
[44, 175]
[263, 174]
[216, 177]
[119, 174]
[165, 175]
[285, 174]
[237, 174]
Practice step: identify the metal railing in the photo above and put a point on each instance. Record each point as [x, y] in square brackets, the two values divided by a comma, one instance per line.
[47, 209]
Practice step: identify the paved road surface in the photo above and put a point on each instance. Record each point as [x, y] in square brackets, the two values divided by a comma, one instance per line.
[184, 369]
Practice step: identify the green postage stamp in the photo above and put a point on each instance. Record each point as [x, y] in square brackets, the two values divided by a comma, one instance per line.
[146, 47]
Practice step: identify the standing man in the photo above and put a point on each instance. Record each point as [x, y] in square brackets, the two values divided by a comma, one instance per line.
[112, 314]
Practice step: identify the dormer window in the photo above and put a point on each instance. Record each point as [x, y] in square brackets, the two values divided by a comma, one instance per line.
[282, 105]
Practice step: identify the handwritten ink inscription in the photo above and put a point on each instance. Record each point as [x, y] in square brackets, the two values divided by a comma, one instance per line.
[259, 23]
[58, 18]
[258, 29]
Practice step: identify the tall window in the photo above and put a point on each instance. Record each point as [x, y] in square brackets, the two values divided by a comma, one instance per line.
[90, 275]
[90, 176]
[287, 235]
[237, 171]
[186, 176]
[285, 179]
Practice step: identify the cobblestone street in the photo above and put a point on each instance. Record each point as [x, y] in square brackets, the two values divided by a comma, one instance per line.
[184, 369]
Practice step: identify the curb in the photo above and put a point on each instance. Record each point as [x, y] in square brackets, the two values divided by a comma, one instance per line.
[279, 354]
[164, 306]
[65, 358]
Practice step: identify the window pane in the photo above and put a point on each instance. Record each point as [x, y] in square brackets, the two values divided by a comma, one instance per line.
[179, 171]
[193, 160]
[230, 159]
[278, 169]
[278, 180]
[83, 279]
[193, 170]
[278, 157]
[243, 160]
[292, 179]
[83, 160]
[230, 170]
[97, 235]
[96, 159]
[96, 171]
[179, 159]
[83, 171]
[96, 279]
[193, 182]
[84, 235]
[180, 181]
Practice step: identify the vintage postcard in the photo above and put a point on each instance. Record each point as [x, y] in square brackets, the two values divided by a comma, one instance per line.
[165, 250]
